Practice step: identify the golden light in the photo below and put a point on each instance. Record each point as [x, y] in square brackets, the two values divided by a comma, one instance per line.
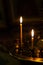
[42, 40]
[21, 19]
[37, 60]
[32, 33]
[17, 46]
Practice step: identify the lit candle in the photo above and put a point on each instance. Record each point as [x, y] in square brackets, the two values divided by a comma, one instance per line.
[32, 34]
[21, 19]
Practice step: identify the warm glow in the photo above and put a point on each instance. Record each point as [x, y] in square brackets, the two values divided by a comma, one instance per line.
[17, 50]
[37, 60]
[32, 33]
[42, 40]
[21, 19]
[17, 46]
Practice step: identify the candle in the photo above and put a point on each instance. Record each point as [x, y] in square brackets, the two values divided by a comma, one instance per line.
[32, 34]
[21, 29]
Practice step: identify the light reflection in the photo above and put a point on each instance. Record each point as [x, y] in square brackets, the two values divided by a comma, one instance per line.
[37, 60]
[42, 40]
[34, 59]
[16, 50]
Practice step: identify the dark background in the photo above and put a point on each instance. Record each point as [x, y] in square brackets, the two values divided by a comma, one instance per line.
[11, 10]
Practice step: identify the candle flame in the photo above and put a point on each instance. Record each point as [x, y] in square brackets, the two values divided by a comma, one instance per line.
[21, 19]
[32, 33]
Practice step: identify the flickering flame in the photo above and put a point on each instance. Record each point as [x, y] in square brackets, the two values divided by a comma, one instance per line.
[32, 33]
[21, 19]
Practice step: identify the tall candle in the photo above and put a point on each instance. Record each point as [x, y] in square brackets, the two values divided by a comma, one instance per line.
[21, 29]
[32, 35]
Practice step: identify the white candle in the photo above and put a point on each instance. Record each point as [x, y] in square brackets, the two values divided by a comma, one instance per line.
[21, 29]
[32, 35]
